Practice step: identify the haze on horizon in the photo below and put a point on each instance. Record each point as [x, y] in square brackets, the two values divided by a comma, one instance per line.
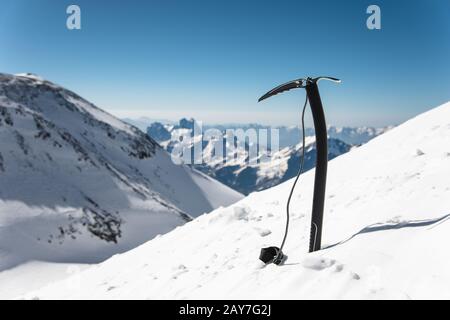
[211, 60]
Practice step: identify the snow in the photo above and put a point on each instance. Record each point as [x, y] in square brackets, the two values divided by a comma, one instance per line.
[31, 76]
[78, 185]
[222, 195]
[278, 166]
[35, 274]
[385, 234]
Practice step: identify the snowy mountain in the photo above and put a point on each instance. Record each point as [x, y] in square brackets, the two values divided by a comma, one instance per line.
[78, 185]
[356, 136]
[386, 232]
[143, 123]
[284, 165]
[238, 171]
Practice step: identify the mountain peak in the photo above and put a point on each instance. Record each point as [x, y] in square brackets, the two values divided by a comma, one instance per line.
[30, 76]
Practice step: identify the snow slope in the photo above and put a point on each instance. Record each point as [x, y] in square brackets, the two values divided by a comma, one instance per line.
[33, 275]
[356, 135]
[79, 185]
[386, 234]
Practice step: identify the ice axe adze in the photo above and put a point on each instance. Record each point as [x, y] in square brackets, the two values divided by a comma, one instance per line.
[275, 254]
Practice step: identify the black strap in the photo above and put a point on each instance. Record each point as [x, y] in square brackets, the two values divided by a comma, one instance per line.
[275, 254]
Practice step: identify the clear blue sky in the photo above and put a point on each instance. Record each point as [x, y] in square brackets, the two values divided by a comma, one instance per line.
[213, 59]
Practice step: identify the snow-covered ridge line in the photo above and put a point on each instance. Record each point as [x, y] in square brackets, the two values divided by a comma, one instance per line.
[83, 105]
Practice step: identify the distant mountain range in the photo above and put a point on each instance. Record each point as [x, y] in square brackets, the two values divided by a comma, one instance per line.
[143, 123]
[246, 177]
[289, 135]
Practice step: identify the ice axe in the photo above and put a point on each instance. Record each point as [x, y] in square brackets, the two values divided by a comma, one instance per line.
[275, 254]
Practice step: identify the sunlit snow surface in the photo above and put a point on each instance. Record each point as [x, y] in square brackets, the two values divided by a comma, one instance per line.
[386, 234]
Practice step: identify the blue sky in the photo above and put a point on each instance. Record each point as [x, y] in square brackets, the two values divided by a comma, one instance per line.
[213, 59]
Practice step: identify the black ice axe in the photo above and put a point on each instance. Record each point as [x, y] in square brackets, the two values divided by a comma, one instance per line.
[275, 254]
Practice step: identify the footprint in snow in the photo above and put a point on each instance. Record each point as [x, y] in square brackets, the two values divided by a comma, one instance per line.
[338, 267]
[419, 152]
[241, 213]
[263, 232]
[179, 270]
[319, 264]
[316, 263]
[355, 276]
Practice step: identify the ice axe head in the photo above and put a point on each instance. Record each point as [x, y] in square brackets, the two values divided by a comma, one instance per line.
[294, 84]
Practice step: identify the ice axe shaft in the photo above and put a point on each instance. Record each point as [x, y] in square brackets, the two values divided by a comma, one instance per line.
[320, 179]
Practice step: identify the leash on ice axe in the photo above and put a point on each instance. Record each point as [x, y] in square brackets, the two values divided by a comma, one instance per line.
[274, 254]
